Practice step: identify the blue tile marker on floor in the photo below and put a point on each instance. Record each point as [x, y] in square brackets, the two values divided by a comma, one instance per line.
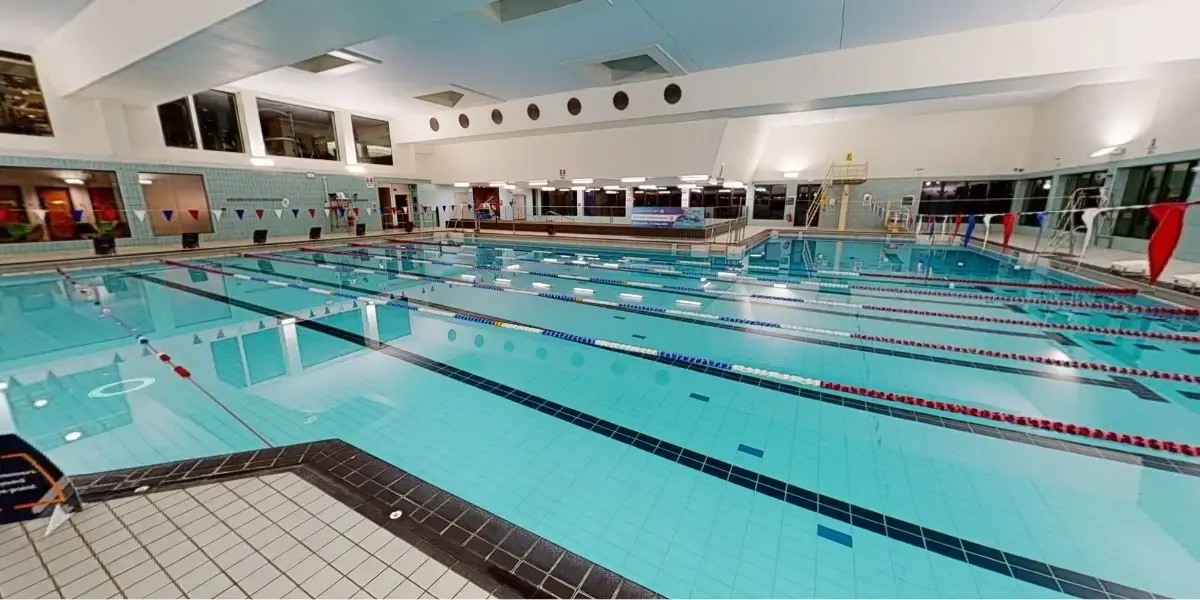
[834, 535]
[750, 451]
[700, 397]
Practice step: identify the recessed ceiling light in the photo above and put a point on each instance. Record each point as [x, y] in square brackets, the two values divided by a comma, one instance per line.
[579, 188]
[72, 436]
[584, 181]
[647, 187]
[498, 183]
[612, 187]
[538, 182]
[548, 188]
[791, 175]
[40, 402]
[632, 179]
[462, 184]
[694, 178]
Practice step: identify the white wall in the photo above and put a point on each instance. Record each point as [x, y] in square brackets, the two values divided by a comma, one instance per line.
[1069, 128]
[983, 142]
[652, 150]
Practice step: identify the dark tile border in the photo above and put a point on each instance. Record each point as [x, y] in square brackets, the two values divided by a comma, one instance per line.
[504, 559]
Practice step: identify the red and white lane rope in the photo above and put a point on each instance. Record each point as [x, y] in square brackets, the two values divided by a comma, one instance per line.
[1012, 419]
[1154, 335]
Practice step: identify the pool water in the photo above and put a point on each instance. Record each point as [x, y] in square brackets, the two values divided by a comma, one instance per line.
[649, 451]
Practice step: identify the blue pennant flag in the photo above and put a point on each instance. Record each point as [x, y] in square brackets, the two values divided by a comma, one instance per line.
[296, 213]
[241, 212]
[77, 215]
[932, 220]
[167, 214]
[970, 230]
[1041, 219]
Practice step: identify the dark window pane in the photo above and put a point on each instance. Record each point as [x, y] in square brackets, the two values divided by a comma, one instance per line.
[83, 206]
[373, 140]
[1036, 194]
[218, 116]
[297, 131]
[22, 105]
[1151, 185]
[175, 117]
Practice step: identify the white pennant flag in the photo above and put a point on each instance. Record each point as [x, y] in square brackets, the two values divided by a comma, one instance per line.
[141, 215]
[216, 213]
[327, 212]
[41, 214]
[987, 229]
[1089, 218]
[369, 209]
[279, 213]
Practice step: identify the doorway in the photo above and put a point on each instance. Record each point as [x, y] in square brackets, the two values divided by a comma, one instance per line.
[387, 214]
[57, 203]
[401, 203]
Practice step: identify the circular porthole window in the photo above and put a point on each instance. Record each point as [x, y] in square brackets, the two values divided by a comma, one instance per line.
[620, 100]
[433, 124]
[672, 94]
[533, 111]
[497, 116]
[574, 106]
[463, 121]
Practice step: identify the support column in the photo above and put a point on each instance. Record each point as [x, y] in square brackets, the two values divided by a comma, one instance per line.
[844, 208]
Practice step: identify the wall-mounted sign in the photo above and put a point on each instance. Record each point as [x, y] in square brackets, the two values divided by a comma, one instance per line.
[849, 157]
[673, 217]
[371, 182]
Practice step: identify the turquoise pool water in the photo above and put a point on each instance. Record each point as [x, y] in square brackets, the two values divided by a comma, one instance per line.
[856, 496]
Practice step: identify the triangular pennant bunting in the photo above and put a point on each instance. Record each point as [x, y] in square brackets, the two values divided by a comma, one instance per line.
[216, 213]
[295, 213]
[261, 326]
[41, 214]
[312, 213]
[77, 215]
[117, 359]
[195, 214]
[167, 214]
[278, 213]
[196, 340]
[220, 334]
[240, 212]
[356, 211]
[259, 212]
[327, 212]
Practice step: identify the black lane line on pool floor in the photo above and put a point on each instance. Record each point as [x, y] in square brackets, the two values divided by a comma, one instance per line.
[1009, 370]
[1021, 437]
[809, 309]
[1012, 565]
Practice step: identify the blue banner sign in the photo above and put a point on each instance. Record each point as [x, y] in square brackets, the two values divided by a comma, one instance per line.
[674, 217]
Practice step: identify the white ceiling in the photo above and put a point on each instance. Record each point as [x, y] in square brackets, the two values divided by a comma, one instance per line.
[25, 23]
[534, 56]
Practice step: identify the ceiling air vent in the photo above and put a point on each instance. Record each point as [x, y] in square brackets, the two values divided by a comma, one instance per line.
[636, 64]
[336, 62]
[448, 98]
[506, 11]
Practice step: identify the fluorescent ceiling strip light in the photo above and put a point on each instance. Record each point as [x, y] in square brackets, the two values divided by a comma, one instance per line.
[461, 184]
[633, 179]
[584, 181]
[694, 178]
[538, 182]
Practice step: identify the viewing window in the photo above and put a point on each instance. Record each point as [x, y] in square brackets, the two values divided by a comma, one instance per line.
[966, 197]
[48, 205]
[210, 117]
[770, 201]
[1152, 185]
[604, 203]
[297, 131]
[557, 203]
[373, 139]
[667, 196]
[720, 203]
[1036, 195]
[22, 104]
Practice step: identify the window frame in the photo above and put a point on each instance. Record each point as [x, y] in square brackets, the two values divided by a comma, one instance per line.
[338, 151]
[237, 115]
[359, 146]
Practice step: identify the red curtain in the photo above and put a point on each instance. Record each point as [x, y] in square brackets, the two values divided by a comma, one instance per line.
[1169, 216]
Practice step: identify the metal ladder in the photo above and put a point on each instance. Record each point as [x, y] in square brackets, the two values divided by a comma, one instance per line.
[821, 198]
[1063, 235]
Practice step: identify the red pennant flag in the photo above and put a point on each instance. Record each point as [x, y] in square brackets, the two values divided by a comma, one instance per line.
[356, 211]
[1169, 216]
[195, 214]
[259, 212]
[312, 213]
[957, 222]
[3, 214]
[1010, 219]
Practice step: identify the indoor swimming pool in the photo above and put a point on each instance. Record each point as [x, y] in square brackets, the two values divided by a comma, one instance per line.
[830, 418]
